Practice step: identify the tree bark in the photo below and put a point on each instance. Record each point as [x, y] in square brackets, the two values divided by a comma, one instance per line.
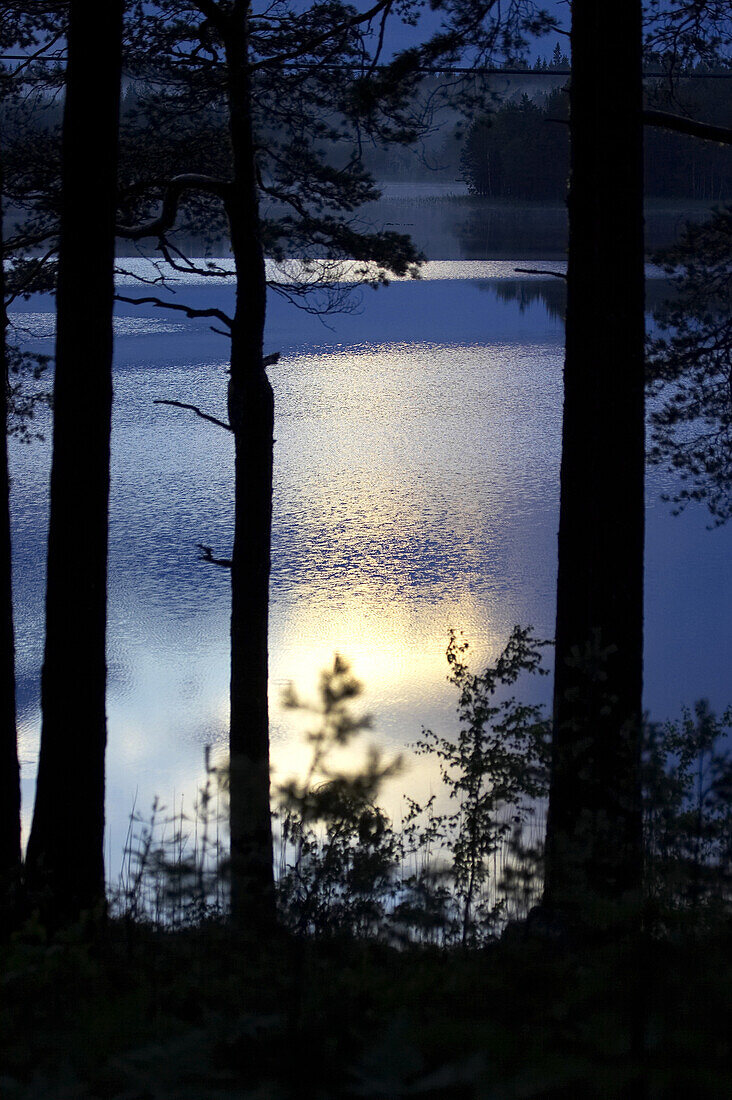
[594, 853]
[9, 768]
[65, 850]
[251, 417]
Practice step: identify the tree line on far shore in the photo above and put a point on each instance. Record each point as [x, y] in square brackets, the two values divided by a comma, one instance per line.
[521, 151]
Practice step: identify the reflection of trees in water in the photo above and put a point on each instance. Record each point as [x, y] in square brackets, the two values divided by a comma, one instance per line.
[467, 227]
[552, 293]
[493, 228]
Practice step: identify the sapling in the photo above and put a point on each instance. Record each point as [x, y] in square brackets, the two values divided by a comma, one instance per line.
[339, 851]
[496, 768]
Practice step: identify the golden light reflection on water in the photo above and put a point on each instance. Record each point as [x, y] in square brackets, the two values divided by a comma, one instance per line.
[398, 654]
[407, 473]
[416, 471]
[391, 647]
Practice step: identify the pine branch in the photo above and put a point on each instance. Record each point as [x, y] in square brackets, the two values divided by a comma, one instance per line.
[195, 409]
[309, 45]
[177, 186]
[34, 268]
[188, 310]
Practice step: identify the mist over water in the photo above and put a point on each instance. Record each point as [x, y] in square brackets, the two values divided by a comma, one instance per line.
[416, 489]
[446, 222]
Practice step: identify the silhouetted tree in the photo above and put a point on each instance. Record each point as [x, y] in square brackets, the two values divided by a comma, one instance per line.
[23, 30]
[517, 152]
[559, 60]
[65, 850]
[290, 75]
[521, 152]
[594, 839]
[299, 91]
[272, 114]
[9, 768]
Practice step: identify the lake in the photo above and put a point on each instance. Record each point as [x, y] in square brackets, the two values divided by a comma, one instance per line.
[416, 489]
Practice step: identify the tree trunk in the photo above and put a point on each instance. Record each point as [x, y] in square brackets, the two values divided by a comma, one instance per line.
[65, 850]
[251, 415]
[594, 855]
[9, 769]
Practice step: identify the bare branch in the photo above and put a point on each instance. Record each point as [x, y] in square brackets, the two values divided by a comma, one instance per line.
[704, 130]
[380, 45]
[208, 556]
[541, 271]
[188, 267]
[159, 279]
[40, 54]
[195, 409]
[188, 310]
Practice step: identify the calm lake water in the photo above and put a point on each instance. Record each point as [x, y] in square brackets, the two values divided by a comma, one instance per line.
[416, 489]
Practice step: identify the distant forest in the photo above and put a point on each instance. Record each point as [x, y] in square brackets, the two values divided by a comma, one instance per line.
[521, 151]
[518, 150]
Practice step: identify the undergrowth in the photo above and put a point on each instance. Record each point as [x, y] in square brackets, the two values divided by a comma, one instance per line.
[457, 869]
[391, 973]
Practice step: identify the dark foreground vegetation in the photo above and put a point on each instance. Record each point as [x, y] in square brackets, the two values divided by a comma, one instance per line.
[201, 1014]
[406, 961]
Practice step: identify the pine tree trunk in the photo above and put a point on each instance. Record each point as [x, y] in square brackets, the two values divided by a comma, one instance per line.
[251, 415]
[593, 858]
[65, 850]
[9, 769]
